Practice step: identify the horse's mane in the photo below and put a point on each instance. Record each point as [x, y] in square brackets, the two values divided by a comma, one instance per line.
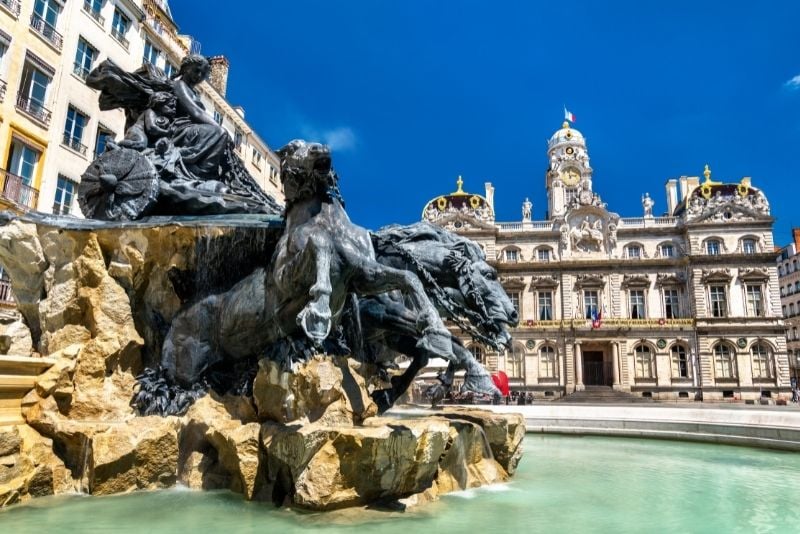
[425, 232]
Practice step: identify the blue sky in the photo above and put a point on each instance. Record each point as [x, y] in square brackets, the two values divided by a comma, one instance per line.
[412, 93]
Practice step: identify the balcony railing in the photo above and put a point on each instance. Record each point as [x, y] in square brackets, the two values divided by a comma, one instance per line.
[14, 188]
[48, 32]
[6, 296]
[34, 109]
[2, 90]
[11, 5]
[119, 37]
[87, 7]
[74, 143]
[80, 71]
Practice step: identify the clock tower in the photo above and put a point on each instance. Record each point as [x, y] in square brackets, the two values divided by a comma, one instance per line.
[569, 175]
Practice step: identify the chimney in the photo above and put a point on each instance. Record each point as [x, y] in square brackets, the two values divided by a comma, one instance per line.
[219, 74]
[672, 195]
[490, 194]
[684, 192]
[796, 236]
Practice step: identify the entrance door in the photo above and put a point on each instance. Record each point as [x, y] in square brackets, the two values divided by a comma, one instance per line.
[594, 370]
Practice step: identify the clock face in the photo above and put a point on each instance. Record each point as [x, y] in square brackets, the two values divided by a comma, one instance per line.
[571, 177]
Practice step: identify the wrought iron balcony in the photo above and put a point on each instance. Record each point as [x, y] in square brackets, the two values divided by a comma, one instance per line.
[2, 90]
[48, 32]
[33, 109]
[87, 7]
[11, 5]
[80, 71]
[74, 143]
[14, 188]
[119, 37]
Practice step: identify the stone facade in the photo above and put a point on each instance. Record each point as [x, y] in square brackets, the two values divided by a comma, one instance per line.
[679, 306]
[789, 282]
[51, 125]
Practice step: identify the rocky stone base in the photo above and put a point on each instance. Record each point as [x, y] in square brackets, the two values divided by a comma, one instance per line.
[219, 444]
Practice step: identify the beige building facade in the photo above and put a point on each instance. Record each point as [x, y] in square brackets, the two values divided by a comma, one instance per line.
[51, 126]
[680, 306]
[789, 282]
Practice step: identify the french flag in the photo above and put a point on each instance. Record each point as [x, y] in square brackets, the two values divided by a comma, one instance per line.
[568, 116]
[597, 319]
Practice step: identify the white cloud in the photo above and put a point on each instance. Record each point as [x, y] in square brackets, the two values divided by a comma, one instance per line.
[794, 83]
[339, 139]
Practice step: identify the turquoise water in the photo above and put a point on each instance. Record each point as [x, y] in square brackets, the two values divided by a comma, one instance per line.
[564, 484]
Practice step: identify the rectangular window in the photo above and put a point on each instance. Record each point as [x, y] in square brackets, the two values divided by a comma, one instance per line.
[119, 27]
[102, 139]
[749, 246]
[73, 129]
[48, 11]
[3, 50]
[791, 309]
[257, 157]
[22, 162]
[672, 304]
[65, 192]
[637, 304]
[713, 247]
[218, 117]
[719, 302]
[34, 85]
[755, 301]
[544, 254]
[93, 7]
[545, 305]
[84, 58]
[547, 363]
[667, 251]
[151, 53]
[169, 69]
[512, 255]
[590, 303]
[514, 297]
[634, 251]
[570, 194]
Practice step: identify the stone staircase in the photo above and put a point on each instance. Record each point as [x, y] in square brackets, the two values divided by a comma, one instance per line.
[603, 395]
[17, 375]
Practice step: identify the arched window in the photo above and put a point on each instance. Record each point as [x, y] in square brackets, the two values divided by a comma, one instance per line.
[762, 367]
[681, 366]
[749, 246]
[643, 361]
[547, 362]
[667, 250]
[634, 251]
[514, 362]
[544, 254]
[512, 255]
[713, 247]
[477, 351]
[724, 361]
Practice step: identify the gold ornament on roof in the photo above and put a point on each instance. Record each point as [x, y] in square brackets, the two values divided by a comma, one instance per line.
[475, 201]
[705, 188]
[460, 184]
[441, 203]
[743, 188]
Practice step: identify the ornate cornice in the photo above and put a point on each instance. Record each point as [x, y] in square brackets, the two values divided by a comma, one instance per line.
[544, 281]
[635, 280]
[515, 282]
[755, 274]
[716, 275]
[590, 280]
[664, 279]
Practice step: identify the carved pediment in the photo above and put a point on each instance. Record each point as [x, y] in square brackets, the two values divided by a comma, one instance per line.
[723, 206]
[512, 282]
[635, 280]
[716, 275]
[756, 274]
[666, 279]
[544, 281]
[590, 280]
[461, 222]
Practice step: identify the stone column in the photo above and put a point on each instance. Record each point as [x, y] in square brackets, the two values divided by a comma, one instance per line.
[578, 368]
[615, 364]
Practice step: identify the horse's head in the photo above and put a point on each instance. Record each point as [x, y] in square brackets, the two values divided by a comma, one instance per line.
[477, 287]
[455, 274]
[305, 170]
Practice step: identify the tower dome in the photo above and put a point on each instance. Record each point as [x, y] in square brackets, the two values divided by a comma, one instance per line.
[566, 135]
[458, 202]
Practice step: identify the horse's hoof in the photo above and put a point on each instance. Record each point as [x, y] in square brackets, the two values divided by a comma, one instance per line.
[315, 324]
[384, 398]
[437, 344]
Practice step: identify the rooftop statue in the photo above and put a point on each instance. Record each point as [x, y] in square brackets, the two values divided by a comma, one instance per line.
[174, 160]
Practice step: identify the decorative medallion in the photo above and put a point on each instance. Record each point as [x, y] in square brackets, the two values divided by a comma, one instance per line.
[569, 135]
[441, 203]
[475, 201]
[661, 343]
[742, 190]
[570, 150]
[530, 344]
[741, 342]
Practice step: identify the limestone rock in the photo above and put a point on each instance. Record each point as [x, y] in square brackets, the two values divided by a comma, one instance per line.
[326, 390]
[323, 467]
[22, 256]
[504, 432]
[229, 447]
[28, 466]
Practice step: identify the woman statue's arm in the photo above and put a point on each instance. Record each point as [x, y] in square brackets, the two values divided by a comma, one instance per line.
[187, 103]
